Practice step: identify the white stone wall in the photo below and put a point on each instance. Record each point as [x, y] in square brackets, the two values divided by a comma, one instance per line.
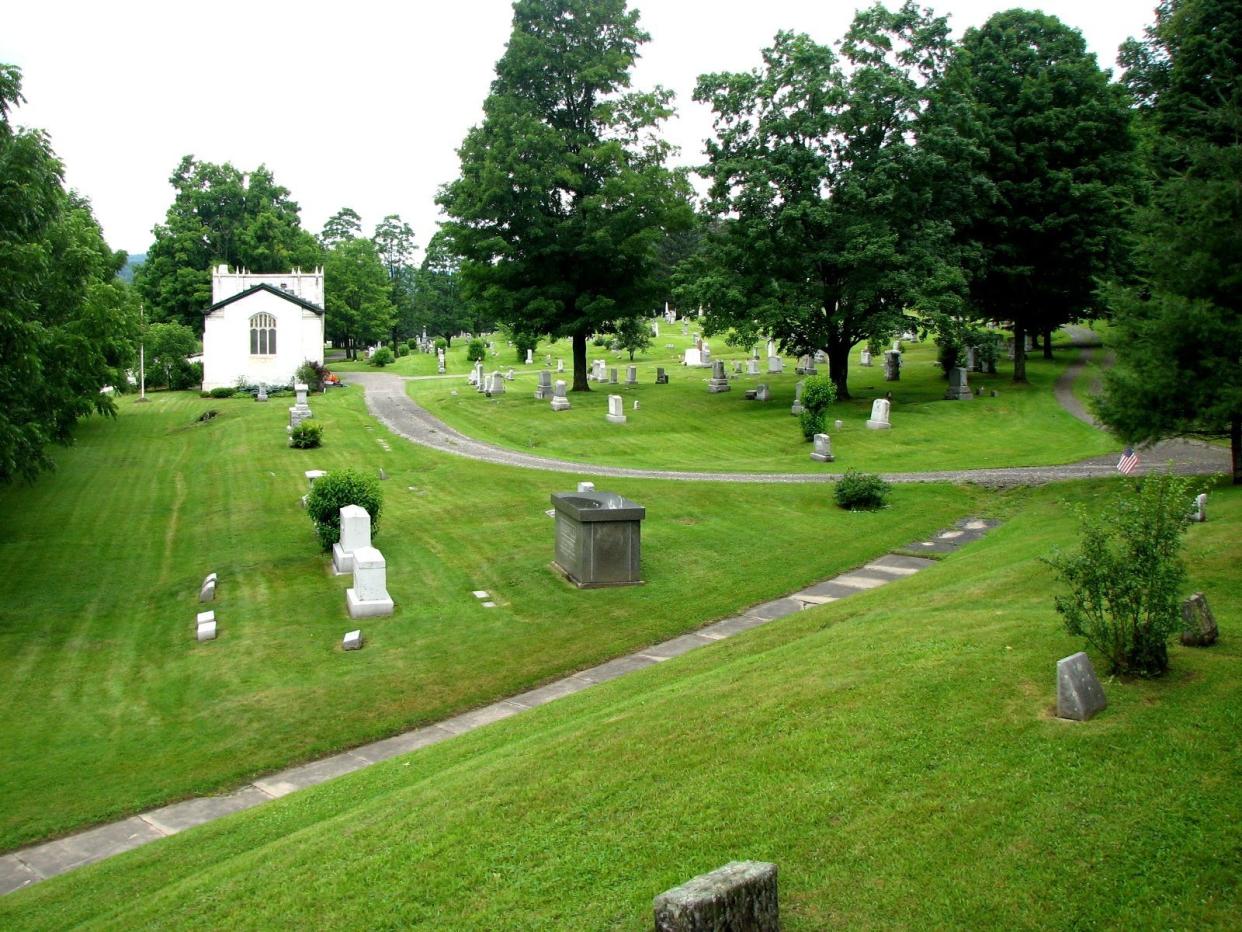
[226, 341]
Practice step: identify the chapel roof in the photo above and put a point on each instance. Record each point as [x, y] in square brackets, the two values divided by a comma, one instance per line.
[279, 292]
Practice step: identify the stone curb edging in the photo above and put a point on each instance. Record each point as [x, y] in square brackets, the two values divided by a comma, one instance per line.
[28, 866]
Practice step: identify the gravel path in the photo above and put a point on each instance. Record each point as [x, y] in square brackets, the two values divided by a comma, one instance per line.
[387, 400]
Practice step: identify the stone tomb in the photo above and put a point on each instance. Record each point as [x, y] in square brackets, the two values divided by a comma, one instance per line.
[368, 597]
[719, 382]
[1198, 623]
[796, 407]
[355, 534]
[739, 897]
[543, 390]
[560, 401]
[598, 538]
[879, 415]
[822, 452]
[616, 410]
[1079, 693]
[631, 375]
[661, 376]
[958, 390]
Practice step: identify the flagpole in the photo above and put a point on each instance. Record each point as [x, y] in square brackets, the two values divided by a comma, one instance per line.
[142, 353]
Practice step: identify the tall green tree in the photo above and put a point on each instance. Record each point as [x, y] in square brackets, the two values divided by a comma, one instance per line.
[219, 215]
[358, 309]
[68, 327]
[342, 225]
[438, 302]
[831, 190]
[1179, 329]
[394, 240]
[564, 194]
[1059, 148]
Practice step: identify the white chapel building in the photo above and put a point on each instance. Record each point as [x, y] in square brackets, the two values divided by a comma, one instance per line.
[260, 328]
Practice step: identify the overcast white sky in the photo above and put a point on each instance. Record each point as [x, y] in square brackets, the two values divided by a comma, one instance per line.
[360, 103]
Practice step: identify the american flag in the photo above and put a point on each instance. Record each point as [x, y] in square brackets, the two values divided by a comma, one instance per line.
[1128, 462]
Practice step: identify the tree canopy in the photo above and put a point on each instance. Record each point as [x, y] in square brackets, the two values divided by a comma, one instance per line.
[356, 295]
[1179, 329]
[219, 215]
[67, 325]
[830, 190]
[438, 302]
[564, 195]
[1059, 149]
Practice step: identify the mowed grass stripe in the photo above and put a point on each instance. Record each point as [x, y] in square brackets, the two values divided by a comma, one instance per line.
[895, 755]
[116, 709]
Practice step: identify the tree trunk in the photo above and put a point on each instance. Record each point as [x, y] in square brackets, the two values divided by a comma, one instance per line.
[580, 362]
[1235, 447]
[839, 367]
[1019, 352]
[1047, 344]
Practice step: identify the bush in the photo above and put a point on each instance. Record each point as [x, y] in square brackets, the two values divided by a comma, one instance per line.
[402, 350]
[441, 343]
[523, 342]
[857, 491]
[601, 339]
[411, 346]
[382, 357]
[306, 436]
[476, 350]
[334, 491]
[310, 374]
[224, 391]
[1125, 578]
[818, 393]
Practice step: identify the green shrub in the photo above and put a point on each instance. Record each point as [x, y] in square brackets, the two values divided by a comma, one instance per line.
[818, 393]
[441, 343]
[601, 339]
[411, 345]
[858, 491]
[223, 391]
[310, 374]
[1125, 579]
[402, 350]
[476, 350]
[334, 491]
[306, 436]
[382, 357]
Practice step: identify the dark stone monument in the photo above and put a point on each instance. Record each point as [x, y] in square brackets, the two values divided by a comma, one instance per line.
[1198, 623]
[719, 382]
[661, 376]
[1079, 693]
[958, 390]
[892, 366]
[739, 897]
[598, 538]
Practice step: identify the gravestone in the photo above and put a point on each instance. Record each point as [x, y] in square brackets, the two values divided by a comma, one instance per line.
[530, 357]
[838, 424]
[586, 487]
[355, 534]
[205, 626]
[509, 374]
[543, 390]
[207, 591]
[612, 376]
[692, 357]
[313, 474]
[822, 452]
[776, 365]
[958, 390]
[635, 404]
[476, 376]
[368, 597]
[600, 375]
[977, 360]
[560, 365]
[616, 410]
[705, 357]
[719, 382]
[821, 357]
[301, 410]
[352, 640]
[661, 376]
[1199, 512]
[737, 368]
[547, 361]
[261, 395]
[752, 367]
[655, 329]
[496, 384]
[772, 349]
[892, 366]
[440, 361]
[970, 359]
[864, 359]
[560, 402]
[1079, 693]
[1198, 623]
[631, 375]
[739, 897]
[598, 538]
[879, 415]
[796, 407]
[762, 393]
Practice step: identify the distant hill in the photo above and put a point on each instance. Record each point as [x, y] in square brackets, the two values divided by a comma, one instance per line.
[127, 271]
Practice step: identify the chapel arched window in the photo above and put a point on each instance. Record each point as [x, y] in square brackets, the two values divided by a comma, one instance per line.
[262, 335]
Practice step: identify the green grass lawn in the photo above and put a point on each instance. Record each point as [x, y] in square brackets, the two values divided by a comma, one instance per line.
[111, 707]
[895, 754]
[682, 426]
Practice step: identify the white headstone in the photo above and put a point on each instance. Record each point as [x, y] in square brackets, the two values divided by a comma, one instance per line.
[560, 401]
[631, 375]
[560, 365]
[206, 631]
[616, 410]
[355, 534]
[879, 415]
[796, 407]
[301, 388]
[352, 640]
[752, 367]
[1199, 513]
[368, 597]
[822, 452]
[776, 365]
[586, 487]
[313, 474]
[864, 358]
[530, 357]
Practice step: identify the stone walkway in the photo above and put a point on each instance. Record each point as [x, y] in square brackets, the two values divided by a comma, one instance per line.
[30, 865]
[388, 401]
